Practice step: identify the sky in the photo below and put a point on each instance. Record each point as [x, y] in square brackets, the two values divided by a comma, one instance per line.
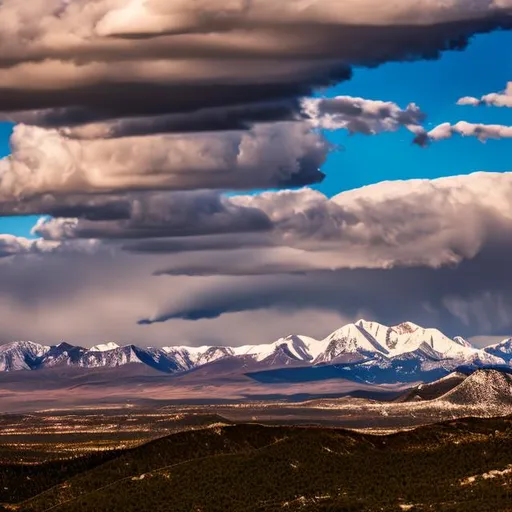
[227, 178]
[435, 86]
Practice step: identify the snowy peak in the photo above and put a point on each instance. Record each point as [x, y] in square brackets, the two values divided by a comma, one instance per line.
[104, 347]
[110, 358]
[369, 339]
[300, 348]
[212, 354]
[503, 350]
[26, 346]
[368, 350]
[20, 355]
[189, 357]
[354, 339]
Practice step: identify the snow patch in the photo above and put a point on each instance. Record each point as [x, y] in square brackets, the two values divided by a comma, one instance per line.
[104, 347]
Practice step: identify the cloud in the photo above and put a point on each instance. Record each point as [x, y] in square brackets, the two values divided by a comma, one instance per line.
[429, 223]
[11, 245]
[436, 243]
[80, 123]
[131, 95]
[129, 58]
[429, 251]
[83, 206]
[217, 243]
[495, 99]
[359, 115]
[50, 298]
[136, 105]
[483, 132]
[44, 162]
[61, 171]
[53, 297]
[162, 215]
[470, 298]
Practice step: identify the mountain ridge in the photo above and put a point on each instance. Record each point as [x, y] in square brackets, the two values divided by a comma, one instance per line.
[369, 348]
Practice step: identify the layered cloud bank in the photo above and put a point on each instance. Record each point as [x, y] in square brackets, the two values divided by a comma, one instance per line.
[143, 127]
[400, 223]
[138, 67]
[47, 166]
[116, 58]
[430, 249]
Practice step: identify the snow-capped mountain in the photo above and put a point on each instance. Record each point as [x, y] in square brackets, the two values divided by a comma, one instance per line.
[289, 350]
[104, 347]
[502, 350]
[21, 355]
[369, 338]
[362, 350]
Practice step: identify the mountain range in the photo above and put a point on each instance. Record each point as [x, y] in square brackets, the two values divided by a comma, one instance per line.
[362, 351]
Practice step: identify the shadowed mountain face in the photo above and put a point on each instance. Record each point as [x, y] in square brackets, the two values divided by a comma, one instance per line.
[363, 352]
[433, 390]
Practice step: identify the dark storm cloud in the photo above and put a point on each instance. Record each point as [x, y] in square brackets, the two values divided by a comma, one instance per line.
[163, 215]
[404, 223]
[206, 120]
[94, 208]
[183, 91]
[431, 251]
[473, 297]
[357, 115]
[129, 58]
[220, 242]
[469, 294]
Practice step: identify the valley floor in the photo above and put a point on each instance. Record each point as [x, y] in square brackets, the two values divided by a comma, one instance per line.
[62, 433]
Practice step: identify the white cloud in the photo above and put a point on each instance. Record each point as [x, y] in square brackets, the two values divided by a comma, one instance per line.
[46, 162]
[495, 99]
[483, 132]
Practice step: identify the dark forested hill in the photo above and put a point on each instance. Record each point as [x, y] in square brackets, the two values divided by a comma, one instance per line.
[456, 466]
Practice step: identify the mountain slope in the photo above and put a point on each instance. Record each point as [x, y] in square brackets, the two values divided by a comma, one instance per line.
[363, 351]
[21, 355]
[433, 390]
[483, 387]
[502, 350]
